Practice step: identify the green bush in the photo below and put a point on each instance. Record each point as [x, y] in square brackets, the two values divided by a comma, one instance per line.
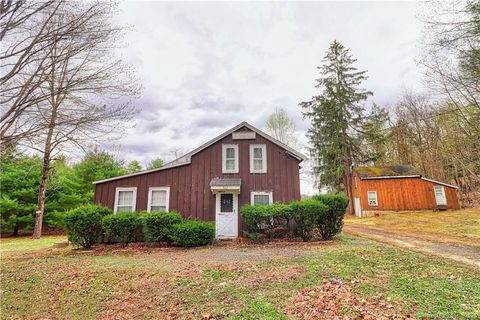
[306, 214]
[192, 233]
[332, 221]
[266, 219]
[122, 227]
[84, 224]
[158, 225]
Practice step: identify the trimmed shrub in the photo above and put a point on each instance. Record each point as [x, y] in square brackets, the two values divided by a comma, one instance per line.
[192, 233]
[158, 225]
[306, 214]
[84, 224]
[332, 221]
[122, 227]
[271, 220]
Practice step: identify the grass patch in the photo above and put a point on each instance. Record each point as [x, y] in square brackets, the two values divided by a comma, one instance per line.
[459, 226]
[190, 284]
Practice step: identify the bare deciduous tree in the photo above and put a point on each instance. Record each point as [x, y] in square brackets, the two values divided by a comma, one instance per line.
[281, 127]
[82, 90]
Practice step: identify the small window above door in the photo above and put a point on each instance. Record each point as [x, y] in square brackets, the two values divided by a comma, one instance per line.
[229, 158]
[258, 158]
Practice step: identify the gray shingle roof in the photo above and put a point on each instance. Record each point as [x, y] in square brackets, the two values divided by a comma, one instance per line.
[225, 182]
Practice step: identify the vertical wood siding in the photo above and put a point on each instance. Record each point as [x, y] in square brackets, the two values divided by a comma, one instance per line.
[402, 194]
[190, 192]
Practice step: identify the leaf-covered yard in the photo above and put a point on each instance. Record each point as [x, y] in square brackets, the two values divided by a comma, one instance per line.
[348, 277]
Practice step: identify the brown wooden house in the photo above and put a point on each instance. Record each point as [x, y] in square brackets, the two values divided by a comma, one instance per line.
[243, 165]
[399, 188]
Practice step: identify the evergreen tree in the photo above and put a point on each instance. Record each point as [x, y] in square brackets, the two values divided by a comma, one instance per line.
[337, 118]
[377, 136]
[18, 192]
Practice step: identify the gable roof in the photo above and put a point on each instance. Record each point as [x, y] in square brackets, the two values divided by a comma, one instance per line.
[387, 171]
[390, 172]
[186, 159]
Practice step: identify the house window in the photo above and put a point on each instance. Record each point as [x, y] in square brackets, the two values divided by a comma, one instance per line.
[230, 158]
[258, 158]
[125, 199]
[440, 195]
[261, 198]
[372, 198]
[158, 199]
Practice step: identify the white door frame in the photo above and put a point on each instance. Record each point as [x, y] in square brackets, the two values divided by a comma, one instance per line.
[234, 213]
[357, 205]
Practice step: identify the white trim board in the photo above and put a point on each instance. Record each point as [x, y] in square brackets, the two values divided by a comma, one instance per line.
[186, 159]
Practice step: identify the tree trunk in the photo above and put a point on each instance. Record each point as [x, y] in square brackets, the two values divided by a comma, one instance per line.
[37, 232]
[15, 231]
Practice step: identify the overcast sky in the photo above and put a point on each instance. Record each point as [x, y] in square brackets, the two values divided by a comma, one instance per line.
[206, 67]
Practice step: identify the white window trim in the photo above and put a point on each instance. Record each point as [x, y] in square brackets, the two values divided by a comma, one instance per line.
[224, 158]
[117, 191]
[443, 193]
[167, 200]
[261, 193]
[376, 199]
[264, 158]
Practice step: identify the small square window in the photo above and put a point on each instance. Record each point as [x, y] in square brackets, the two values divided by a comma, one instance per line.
[372, 198]
[261, 198]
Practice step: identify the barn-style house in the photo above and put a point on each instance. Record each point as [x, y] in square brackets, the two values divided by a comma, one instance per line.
[399, 188]
[242, 165]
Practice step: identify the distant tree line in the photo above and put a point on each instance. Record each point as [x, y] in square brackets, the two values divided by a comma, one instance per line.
[68, 186]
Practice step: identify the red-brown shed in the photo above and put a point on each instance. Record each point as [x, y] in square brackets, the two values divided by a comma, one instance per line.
[399, 188]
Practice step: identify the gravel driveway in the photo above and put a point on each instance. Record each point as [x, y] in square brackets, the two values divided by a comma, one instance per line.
[460, 253]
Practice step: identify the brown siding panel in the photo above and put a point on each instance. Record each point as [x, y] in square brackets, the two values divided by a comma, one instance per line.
[402, 194]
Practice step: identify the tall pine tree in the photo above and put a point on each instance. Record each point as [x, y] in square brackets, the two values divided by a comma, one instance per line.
[337, 118]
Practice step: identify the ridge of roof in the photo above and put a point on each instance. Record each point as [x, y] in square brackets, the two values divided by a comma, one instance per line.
[186, 159]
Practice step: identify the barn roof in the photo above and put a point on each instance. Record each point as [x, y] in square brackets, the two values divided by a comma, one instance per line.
[387, 171]
[184, 160]
[402, 171]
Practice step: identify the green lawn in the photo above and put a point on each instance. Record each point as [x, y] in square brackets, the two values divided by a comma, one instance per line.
[349, 277]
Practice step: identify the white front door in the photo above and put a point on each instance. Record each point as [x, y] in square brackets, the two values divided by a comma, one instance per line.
[440, 196]
[226, 215]
[358, 207]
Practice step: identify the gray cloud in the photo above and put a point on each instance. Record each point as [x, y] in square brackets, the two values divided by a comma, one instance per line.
[207, 66]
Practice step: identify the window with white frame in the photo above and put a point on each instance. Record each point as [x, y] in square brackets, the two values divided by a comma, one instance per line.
[125, 199]
[158, 199]
[261, 198]
[230, 158]
[258, 158]
[372, 198]
[440, 197]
